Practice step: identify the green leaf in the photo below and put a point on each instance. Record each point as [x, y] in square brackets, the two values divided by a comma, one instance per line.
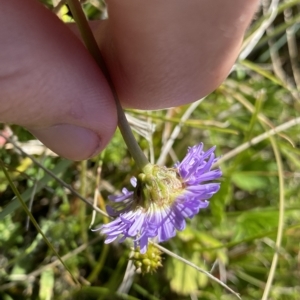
[185, 280]
[46, 285]
[7, 297]
[252, 223]
[249, 182]
[219, 201]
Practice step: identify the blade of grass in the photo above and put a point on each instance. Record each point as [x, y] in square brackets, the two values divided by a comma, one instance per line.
[279, 30]
[144, 292]
[280, 9]
[105, 250]
[34, 222]
[96, 292]
[255, 114]
[250, 43]
[15, 204]
[254, 67]
[34, 191]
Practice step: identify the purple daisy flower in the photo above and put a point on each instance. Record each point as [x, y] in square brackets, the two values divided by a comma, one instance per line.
[162, 199]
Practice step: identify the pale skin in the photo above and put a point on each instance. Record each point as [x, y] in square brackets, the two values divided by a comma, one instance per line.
[159, 54]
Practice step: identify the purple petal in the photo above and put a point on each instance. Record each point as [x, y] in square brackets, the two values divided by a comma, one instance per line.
[211, 175]
[167, 231]
[110, 239]
[118, 198]
[133, 181]
[143, 243]
[177, 219]
[136, 226]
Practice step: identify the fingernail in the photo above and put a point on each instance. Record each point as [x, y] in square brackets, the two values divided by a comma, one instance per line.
[69, 141]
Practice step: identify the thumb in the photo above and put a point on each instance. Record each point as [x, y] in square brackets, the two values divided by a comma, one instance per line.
[50, 84]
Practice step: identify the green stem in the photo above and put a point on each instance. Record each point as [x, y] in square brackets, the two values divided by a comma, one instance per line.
[99, 265]
[82, 212]
[82, 207]
[94, 50]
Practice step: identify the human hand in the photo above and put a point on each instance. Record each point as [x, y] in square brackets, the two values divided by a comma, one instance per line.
[159, 54]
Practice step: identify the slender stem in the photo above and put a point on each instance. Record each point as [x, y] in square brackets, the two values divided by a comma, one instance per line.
[105, 250]
[280, 221]
[257, 140]
[94, 50]
[82, 211]
[99, 264]
[82, 206]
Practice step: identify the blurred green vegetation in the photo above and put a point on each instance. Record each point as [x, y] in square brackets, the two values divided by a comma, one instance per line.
[235, 238]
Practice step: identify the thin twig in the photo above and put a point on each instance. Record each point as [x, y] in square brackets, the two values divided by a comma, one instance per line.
[292, 47]
[251, 42]
[257, 140]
